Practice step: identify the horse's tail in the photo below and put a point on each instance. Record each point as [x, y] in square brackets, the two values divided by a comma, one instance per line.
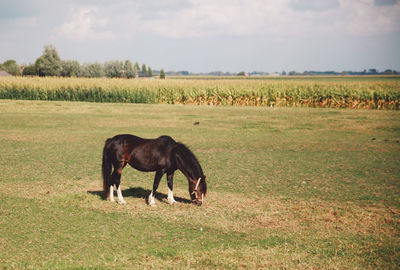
[106, 170]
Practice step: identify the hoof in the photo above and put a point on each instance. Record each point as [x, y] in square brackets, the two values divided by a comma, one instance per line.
[122, 202]
[151, 202]
[171, 201]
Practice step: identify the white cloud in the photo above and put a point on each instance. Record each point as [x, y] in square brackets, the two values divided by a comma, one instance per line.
[313, 5]
[207, 18]
[365, 18]
[86, 24]
[238, 18]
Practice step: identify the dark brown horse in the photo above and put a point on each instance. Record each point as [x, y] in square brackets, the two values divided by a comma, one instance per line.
[162, 155]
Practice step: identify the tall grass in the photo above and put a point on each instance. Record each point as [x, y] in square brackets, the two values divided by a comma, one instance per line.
[378, 93]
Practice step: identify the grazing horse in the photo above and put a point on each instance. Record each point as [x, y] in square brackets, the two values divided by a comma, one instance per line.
[162, 155]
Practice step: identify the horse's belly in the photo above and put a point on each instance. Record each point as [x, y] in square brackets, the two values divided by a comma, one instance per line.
[143, 166]
[148, 163]
[146, 160]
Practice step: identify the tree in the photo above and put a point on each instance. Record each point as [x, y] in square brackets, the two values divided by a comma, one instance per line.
[11, 67]
[136, 69]
[372, 71]
[114, 69]
[144, 69]
[162, 74]
[150, 71]
[30, 70]
[129, 71]
[93, 70]
[49, 63]
[388, 71]
[71, 68]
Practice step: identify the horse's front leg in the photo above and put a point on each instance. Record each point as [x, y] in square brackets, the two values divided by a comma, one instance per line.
[170, 182]
[121, 199]
[157, 179]
[116, 176]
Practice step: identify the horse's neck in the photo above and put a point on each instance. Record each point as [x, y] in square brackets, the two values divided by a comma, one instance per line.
[185, 169]
[188, 163]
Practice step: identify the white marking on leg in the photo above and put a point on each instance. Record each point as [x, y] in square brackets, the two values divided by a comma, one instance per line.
[151, 199]
[112, 193]
[171, 199]
[120, 198]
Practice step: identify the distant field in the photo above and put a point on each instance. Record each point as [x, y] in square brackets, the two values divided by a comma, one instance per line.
[336, 78]
[288, 188]
[380, 92]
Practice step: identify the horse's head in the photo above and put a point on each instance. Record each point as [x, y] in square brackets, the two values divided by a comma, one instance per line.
[198, 190]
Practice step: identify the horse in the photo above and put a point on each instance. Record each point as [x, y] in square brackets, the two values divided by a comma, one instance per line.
[162, 155]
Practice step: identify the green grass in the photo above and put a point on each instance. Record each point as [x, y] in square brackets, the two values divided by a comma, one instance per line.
[293, 188]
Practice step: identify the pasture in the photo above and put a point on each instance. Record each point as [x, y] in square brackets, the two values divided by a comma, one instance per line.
[288, 188]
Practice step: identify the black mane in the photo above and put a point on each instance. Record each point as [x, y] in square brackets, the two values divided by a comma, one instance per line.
[187, 162]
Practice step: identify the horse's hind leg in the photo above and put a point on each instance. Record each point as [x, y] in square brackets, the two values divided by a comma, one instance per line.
[116, 179]
[157, 179]
[111, 194]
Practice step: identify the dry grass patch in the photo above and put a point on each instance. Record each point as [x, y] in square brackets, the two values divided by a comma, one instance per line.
[224, 211]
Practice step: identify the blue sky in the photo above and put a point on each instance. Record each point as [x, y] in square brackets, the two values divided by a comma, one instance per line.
[208, 35]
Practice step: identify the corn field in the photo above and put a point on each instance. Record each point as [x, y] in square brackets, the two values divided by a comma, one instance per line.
[330, 92]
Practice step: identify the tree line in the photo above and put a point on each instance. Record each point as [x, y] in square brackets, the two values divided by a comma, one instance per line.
[371, 71]
[50, 64]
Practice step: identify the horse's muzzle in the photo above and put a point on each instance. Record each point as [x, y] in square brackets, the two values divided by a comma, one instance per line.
[197, 202]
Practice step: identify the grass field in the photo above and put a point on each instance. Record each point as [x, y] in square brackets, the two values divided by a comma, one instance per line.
[288, 188]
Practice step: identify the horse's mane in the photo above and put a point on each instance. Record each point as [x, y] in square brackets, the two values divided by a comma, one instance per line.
[187, 161]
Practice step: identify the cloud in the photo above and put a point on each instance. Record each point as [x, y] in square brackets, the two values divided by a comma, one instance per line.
[239, 18]
[385, 2]
[180, 19]
[364, 18]
[206, 18]
[15, 9]
[86, 24]
[313, 5]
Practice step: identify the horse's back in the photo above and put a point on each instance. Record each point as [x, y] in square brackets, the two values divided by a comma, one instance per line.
[125, 137]
[166, 140]
[132, 139]
[123, 144]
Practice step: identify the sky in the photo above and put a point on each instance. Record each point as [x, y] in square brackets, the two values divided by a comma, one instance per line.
[207, 35]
